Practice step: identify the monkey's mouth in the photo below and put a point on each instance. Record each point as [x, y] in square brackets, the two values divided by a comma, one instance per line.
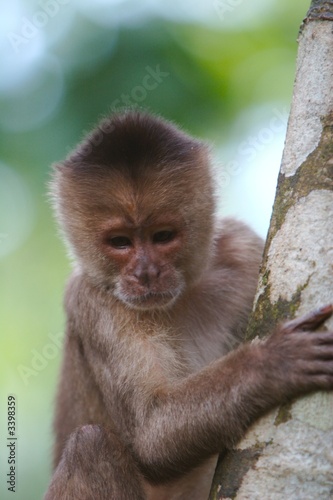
[151, 300]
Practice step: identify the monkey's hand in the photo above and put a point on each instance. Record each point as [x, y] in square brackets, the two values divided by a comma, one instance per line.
[301, 359]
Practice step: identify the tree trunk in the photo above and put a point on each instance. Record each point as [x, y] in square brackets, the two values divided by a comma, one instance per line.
[288, 454]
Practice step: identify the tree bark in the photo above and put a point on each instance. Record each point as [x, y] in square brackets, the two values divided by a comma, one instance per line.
[288, 454]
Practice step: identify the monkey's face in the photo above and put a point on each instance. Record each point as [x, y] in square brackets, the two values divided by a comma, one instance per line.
[147, 244]
[135, 202]
[146, 261]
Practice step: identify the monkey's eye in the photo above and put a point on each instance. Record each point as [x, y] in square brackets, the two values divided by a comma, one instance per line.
[120, 242]
[163, 236]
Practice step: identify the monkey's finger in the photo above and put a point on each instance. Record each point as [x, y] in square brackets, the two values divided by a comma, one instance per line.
[310, 321]
[324, 352]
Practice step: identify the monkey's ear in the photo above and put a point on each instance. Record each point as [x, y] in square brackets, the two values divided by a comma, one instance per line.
[52, 184]
[60, 176]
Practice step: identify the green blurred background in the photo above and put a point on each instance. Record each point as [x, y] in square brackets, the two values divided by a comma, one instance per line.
[222, 69]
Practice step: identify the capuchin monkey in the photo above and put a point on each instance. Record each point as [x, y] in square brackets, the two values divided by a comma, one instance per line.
[154, 384]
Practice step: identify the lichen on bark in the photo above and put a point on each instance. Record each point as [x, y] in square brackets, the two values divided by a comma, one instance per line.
[316, 173]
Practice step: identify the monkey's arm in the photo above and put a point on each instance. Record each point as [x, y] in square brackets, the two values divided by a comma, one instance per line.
[173, 428]
[211, 410]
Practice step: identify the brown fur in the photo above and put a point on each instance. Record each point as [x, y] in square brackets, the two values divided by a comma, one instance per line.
[148, 394]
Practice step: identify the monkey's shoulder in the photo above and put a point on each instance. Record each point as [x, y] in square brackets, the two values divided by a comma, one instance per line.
[236, 244]
[225, 295]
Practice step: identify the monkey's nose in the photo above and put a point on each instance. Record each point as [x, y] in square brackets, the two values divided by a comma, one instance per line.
[147, 275]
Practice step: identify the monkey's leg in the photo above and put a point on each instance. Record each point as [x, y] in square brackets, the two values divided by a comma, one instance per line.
[95, 466]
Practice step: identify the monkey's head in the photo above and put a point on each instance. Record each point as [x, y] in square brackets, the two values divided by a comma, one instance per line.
[135, 202]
